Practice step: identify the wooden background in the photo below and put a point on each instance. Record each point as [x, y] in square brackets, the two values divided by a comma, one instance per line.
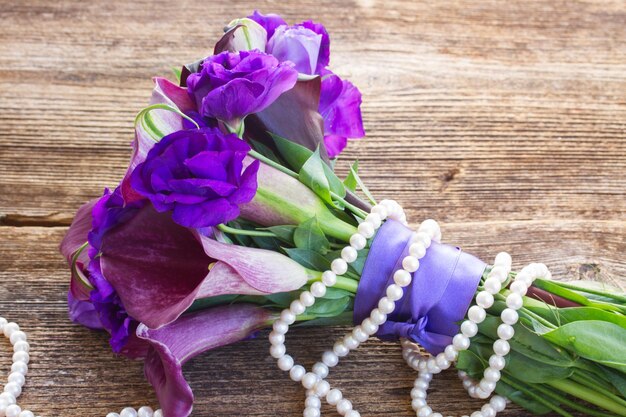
[504, 120]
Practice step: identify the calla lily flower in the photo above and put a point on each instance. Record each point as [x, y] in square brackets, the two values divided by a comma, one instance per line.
[242, 35]
[187, 337]
[158, 268]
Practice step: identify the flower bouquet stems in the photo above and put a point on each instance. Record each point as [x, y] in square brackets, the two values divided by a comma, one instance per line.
[231, 219]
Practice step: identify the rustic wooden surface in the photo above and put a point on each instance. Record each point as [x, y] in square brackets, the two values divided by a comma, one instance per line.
[504, 120]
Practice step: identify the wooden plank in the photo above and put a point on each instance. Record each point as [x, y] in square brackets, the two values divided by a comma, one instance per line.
[73, 369]
[471, 109]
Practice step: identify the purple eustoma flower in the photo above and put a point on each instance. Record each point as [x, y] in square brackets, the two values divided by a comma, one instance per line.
[232, 85]
[269, 22]
[198, 175]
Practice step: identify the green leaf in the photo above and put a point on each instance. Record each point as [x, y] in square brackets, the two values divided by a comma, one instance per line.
[522, 399]
[599, 341]
[361, 184]
[554, 288]
[268, 243]
[308, 258]
[309, 235]
[266, 151]
[617, 379]
[335, 293]
[350, 182]
[150, 124]
[177, 73]
[318, 176]
[326, 307]
[283, 232]
[572, 314]
[295, 154]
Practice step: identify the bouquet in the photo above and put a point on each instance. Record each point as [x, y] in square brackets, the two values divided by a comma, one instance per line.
[231, 219]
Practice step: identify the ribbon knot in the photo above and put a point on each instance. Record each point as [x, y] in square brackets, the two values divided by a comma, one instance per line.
[438, 297]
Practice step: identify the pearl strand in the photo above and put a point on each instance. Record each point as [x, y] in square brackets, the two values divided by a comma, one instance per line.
[17, 378]
[469, 328]
[314, 381]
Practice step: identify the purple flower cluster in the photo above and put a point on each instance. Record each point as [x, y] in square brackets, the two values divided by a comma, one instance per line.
[198, 175]
[307, 45]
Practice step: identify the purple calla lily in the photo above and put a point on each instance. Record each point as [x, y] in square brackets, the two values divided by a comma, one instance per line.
[158, 268]
[187, 337]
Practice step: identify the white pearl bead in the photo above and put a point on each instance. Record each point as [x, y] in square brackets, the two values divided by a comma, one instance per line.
[3, 323]
[501, 347]
[343, 406]
[425, 411]
[329, 278]
[17, 378]
[402, 277]
[340, 349]
[491, 374]
[318, 289]
[17, 336]
[369, 326]
[476, 314]
[13, 410]
[309, 380]
[509, 316]
[366, 229]
[519, 287]
[349, 254]
[442, 361]
[431, 366]
[113, 415]
[374, 219]
[359, 334]
[20, 367]
[431, 227]
[386, 306]
[320, 369]
[339, 266]
[334, 396]
[499, 272]
[10, 328]
[378, 317]
[514, 301]
[297, 307]
[276, 338]
[469, 328]
[419, 386]
[26, 413]
[311, 411]
[13, 388]
[488, 411]
[426, 377]
[350, 342]
[277, 351]
[498, 403]
[417, 250]
[280, 326]
[460, 342]
[353, 413]
[503, 259]
[477, 414]
[313, 402]
[357, 241]
[497, 362]
[145, 411]
[285, 363]
[423, 238]
[436, 415]
[8, 397]
[418, 403]
[484, 299]
[394, 292]
[297, 372]
[158, 413]
[128, 412]
[467, 383]
[21, 346]
[330, 358]
[410, 263]
[487, 386]
[288, 316]
[380, 210]
[322, 388]
[505, 331]
[451, 353]
[493, 285]
[307, 299]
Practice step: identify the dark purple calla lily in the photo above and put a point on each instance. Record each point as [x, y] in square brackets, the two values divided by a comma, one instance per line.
[187, 337]
[158, 268]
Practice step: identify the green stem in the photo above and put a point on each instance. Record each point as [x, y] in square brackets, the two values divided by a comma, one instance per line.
[573, 405]
[234, 231]
[354, 209]
[346, 284]
[536, 397]
[273, 164]
[589, 395]
[592, 385]
[618, 297]
[592, 380]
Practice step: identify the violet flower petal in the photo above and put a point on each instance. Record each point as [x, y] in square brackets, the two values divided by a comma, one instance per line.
[83, 312]
[269, 21]
[298, 45]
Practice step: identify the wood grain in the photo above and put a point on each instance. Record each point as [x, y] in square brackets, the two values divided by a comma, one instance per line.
[504, 120]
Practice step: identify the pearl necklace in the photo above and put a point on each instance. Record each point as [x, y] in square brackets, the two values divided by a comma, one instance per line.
[315, 383]
[17, 378]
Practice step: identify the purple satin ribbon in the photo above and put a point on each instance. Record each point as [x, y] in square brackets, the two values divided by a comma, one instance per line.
[438, 297]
